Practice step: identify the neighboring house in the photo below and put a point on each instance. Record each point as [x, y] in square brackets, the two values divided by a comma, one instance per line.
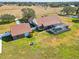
[20, 30]
[73, 16]
[72, 6]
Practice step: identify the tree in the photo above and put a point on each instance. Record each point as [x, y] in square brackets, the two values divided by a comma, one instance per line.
[1, 5]
[6, 18]
[27, 14]
[69, 10]
[77, 12]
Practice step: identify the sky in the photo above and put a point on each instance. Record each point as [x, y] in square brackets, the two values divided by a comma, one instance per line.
[37, 0]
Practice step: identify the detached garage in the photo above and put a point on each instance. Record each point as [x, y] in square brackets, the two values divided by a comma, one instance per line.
[20, 30]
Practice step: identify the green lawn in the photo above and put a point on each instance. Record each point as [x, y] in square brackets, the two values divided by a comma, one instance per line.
[67, 49]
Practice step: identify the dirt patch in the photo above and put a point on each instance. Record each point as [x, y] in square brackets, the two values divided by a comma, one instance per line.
[55, 41]
[51, 41]
[77, 33]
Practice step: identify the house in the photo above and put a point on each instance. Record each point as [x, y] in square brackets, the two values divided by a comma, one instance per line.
[51, 24]
[20, 30]
[46, 22]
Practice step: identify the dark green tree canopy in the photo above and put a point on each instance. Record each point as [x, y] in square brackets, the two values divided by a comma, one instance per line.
[7, 18]
[69, 10]
[77, 12]
[28, 13]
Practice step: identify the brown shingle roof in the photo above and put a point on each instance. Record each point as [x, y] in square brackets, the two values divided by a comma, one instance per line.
[20, 29]
[50, 20]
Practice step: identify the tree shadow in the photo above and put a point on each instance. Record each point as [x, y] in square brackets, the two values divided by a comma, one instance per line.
[10, 38]
[58, 33]
[39, 30]
[75, 21]
[49, 32]
[3, 23]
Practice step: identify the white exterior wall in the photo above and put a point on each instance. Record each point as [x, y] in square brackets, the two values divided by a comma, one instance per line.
[0, 43]
[17, 21]
[34, 21]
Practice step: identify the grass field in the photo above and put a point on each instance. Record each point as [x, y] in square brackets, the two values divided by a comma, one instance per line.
[46, 45]
[16, 10]
[67, 49]
[6, 27]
